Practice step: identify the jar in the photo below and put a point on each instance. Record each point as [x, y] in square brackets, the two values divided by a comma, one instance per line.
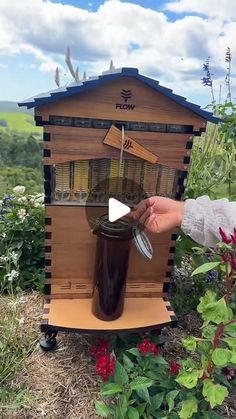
[111, 266]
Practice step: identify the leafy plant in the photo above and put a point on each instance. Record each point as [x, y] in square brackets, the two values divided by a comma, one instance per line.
[189, 256]
[144, 385]
[22, 241]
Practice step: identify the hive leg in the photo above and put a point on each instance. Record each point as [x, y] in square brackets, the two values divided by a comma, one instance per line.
[49, 342]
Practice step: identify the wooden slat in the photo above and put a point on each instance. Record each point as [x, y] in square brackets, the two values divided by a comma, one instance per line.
[69, 144]
[113, 138]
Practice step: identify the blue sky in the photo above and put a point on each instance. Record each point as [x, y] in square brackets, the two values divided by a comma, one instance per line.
[167, 40]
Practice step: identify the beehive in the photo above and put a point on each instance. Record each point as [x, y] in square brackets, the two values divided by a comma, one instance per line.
[80, 150]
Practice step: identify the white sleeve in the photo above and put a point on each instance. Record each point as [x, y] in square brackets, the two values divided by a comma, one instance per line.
[203, 217]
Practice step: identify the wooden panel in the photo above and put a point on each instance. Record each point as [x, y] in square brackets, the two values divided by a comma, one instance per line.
[82, 289]
[77, 314]
[69, 144]
[113, 138]
[73, 249]
[99, 134]
[79, 261]
[100, 103]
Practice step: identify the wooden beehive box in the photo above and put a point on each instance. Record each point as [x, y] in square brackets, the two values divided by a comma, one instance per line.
[81, 149]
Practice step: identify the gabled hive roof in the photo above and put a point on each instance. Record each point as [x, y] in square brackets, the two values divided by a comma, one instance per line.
[91, 83]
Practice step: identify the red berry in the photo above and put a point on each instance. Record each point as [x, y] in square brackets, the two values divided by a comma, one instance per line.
[174, 368]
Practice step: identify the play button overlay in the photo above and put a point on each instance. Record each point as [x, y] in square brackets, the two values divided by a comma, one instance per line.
[117, 210]
[114, 197]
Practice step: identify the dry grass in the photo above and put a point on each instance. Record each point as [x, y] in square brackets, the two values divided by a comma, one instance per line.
[62, 384]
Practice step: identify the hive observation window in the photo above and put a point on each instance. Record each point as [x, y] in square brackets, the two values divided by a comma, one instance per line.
[128, 125]
[74, 181]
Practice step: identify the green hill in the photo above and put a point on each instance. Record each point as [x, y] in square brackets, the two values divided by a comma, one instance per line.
[18, 121]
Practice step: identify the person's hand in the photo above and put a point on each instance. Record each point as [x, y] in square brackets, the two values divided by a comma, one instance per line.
[158, 214]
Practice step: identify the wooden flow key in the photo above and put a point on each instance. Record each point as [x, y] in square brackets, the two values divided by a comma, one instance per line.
[113, 138]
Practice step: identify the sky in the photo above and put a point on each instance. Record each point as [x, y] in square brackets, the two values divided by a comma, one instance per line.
[168, 40]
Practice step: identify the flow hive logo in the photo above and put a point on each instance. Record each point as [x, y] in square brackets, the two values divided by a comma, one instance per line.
[128, 144]
[126, 95]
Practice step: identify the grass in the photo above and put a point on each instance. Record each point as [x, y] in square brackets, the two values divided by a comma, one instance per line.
[19, 121]
[15, 347]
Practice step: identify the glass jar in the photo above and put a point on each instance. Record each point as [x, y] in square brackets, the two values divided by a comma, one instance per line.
[111, 265]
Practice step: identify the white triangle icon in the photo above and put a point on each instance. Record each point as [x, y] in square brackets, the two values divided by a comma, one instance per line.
[116, 210]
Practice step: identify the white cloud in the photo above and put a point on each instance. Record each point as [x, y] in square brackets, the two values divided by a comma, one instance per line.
[130, 34]
[224, 9]
[3, 65]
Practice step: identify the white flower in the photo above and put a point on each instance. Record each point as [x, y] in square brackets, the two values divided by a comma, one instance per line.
[3, 235]
[22, 199]
[37, 200]
[19, 189]
[4, 259]
[40, 198]
[1, 201]
[12, 275]
[14, 256]
[22, 213]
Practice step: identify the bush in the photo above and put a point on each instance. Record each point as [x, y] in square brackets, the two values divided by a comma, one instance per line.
[12, 176]
[187, 257]
[22, 241]
[20, 162]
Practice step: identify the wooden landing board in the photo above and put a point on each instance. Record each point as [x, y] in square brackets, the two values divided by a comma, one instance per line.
[113, 138]
[76, 314]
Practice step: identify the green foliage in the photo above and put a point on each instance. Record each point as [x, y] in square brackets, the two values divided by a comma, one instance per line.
[19, 149]
[213, 161]
[214, 393]
[20, 162]
[19, 121]
[13, 176]
[190, 343]
[189, 407]
[185, 283]
[102, 409]
[206, 267]
[22, 241]
[189, 379]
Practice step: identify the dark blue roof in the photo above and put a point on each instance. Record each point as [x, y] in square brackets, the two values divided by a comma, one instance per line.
[106, 77]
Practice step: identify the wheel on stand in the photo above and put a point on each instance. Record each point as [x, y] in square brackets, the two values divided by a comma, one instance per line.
[49, 342]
